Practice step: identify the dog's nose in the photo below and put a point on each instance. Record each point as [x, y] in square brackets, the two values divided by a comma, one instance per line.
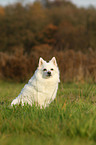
[49, 73]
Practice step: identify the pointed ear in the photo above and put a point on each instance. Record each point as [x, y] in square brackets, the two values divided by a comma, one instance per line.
[41, 61]
[53, 60]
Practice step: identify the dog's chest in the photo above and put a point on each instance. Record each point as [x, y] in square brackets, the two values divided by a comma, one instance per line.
[46, 88]
[46, 92]
[42, 92]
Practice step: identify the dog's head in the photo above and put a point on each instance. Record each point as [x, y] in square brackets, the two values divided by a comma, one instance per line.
[48, 69]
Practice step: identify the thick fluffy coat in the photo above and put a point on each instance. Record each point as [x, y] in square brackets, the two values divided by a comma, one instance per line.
[42, 87]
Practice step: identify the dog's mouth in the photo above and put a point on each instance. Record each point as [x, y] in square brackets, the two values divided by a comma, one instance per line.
[49, 74]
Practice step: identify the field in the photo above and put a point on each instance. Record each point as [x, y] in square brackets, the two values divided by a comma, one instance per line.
[69, 120]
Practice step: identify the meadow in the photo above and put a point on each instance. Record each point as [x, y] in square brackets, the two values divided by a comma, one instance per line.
[69, 120]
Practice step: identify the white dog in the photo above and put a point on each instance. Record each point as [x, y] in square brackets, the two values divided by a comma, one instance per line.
[42, 87]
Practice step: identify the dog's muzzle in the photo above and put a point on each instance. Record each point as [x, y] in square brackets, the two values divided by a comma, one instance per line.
[49, 73]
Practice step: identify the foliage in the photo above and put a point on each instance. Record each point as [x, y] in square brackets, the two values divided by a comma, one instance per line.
[48, 29]
[59, 24]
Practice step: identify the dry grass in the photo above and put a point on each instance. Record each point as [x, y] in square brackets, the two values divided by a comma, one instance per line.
[74, 66]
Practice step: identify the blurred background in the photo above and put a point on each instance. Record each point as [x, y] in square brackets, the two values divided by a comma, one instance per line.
[65, 29]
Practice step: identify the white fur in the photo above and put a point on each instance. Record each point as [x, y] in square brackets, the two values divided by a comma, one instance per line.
[41, 88]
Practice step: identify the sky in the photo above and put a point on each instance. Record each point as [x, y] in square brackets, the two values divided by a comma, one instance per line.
[84, 3]
[79, 3]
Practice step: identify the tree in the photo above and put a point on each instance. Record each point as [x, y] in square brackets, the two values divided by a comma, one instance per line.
[2, 11]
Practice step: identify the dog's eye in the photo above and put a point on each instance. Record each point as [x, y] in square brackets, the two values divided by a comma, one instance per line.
[52, 69]
[44, 69]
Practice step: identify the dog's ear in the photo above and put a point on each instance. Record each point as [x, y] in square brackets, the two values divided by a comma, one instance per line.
[41, 61]
[53, 60]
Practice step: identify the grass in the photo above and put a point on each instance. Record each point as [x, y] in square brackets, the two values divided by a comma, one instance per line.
[69, 120]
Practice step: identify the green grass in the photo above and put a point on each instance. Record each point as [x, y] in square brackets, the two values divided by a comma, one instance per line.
[69, 120]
